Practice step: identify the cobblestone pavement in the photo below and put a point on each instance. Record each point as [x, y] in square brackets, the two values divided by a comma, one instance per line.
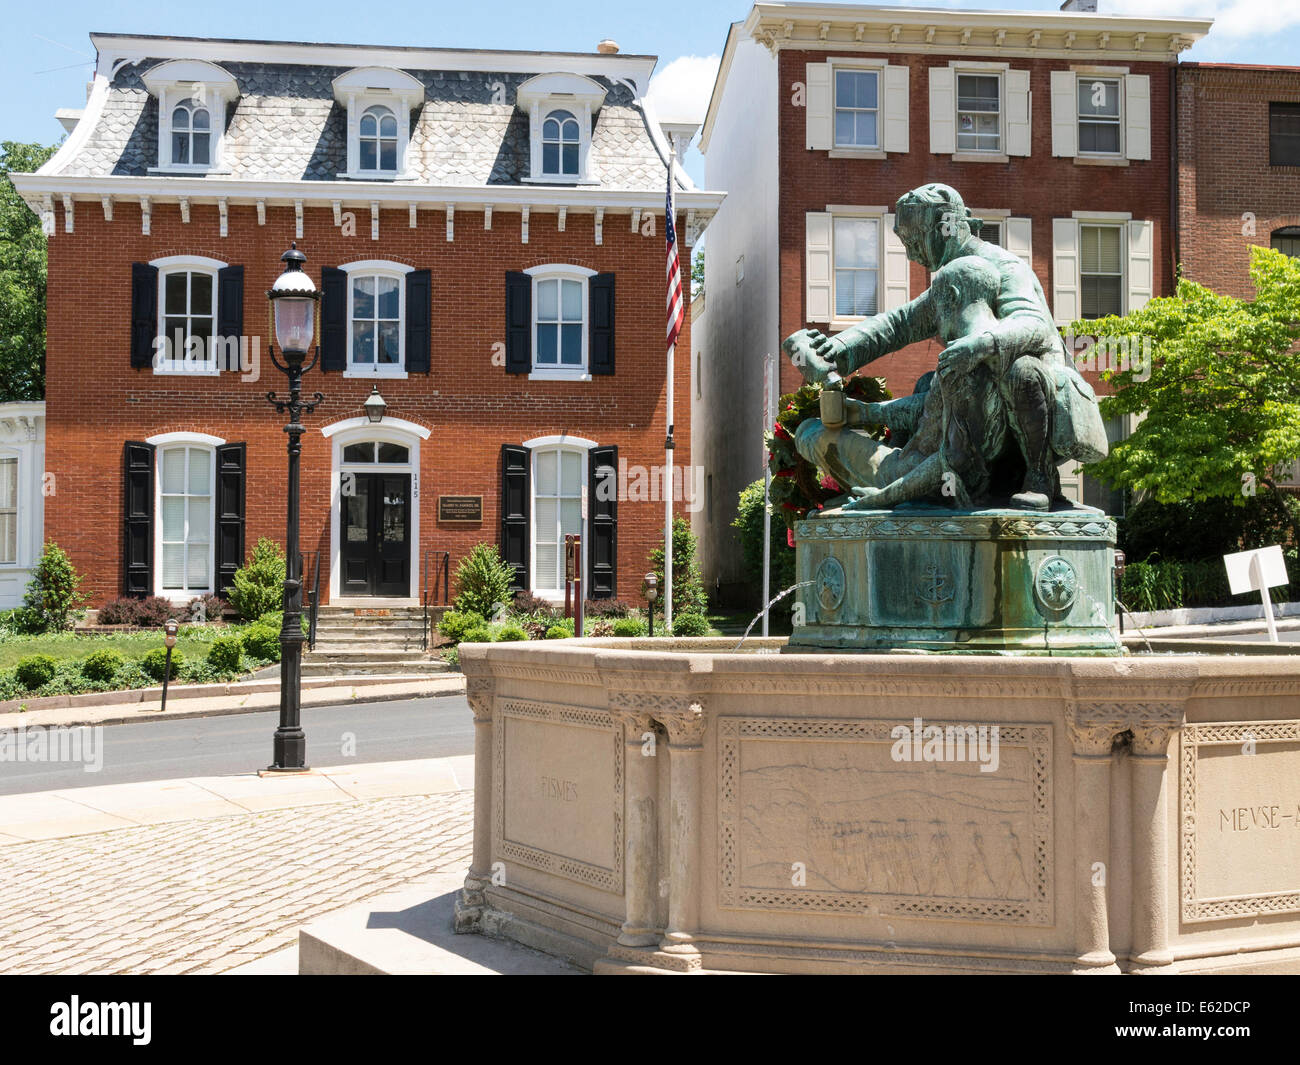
[207, 896]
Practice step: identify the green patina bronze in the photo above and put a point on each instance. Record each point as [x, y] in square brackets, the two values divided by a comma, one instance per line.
[954, 535]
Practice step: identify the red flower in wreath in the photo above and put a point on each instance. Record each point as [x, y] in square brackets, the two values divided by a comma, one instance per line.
[779, 430]
[789, 537]
[789, 471]
[829, 483]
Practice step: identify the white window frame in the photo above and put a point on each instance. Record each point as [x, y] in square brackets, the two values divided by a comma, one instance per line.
[10, 455]
[359, 90]
[202, 442]
[191, 81]
[210, 366]
[999, 72]
[545, 93]
[870, 214]
[1109, 223]
[379, 138]
[545, 445]
[853, 68]
[561, 272]
[379, 268]
[577, 121]
[1079, 119]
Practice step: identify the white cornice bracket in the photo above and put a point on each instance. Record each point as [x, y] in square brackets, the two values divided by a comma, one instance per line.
[412, 215]
[690, 228]
[67, 213]
[1034, 38]
[185, 210]
[146, 215]
[47, 214]
[564, 212]
[297, 218]
[1139, 41]
[107, 202]
[223, 213]
[523, 225]
[894, 32]
[261, 212]
[823, 31]
[1069, 39]
[338, 212]
[965, 36]
[1000, 38]
[636, 219]
[1103, 40]
[600, 225]
[374, 219]
[487, 216]
[451, 222]
[929, 34]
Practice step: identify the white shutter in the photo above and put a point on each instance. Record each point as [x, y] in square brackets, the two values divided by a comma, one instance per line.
[1018, 111]
[1141, 280]
[897, 270]
[1071, 474]
[1065, 270]
[894, 98]
[820, 106]
[1065, 114]
[943, 111]
[818, 275]
[1137, 116]
[1020, 239]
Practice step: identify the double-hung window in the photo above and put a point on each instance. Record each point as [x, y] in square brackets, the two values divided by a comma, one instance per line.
[560, 142]
[377, 140]
[1101, 270]
[8, 509]
[857, 108]
[560, 323]
[376, 321]
[558, 476]
[185, 509]
[991, 231]
[1100, 122]
[188, 290]
[1287, 241]
[979, 113]
[191, 135]
[856, 252]
[1284, 134]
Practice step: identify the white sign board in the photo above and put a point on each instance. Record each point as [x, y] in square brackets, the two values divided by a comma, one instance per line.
[1242, 574]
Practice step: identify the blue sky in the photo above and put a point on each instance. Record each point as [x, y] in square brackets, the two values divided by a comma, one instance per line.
[46, 56]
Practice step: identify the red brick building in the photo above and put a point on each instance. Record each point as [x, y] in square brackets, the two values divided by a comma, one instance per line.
[1237, 155]
[1054, 127]
[487, 230]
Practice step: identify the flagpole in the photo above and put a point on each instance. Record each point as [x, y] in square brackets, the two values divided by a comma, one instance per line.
[669, 444]
[768, 368]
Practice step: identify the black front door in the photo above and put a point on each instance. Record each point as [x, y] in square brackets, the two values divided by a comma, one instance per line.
[375, 527]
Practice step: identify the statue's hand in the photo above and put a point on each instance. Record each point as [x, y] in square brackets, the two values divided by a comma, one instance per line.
[815, 355]
[962, 356]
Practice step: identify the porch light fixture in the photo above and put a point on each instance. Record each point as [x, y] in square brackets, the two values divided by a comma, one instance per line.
[294, 300]
[374, 406]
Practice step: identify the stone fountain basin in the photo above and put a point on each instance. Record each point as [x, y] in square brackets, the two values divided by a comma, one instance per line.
[670, 806]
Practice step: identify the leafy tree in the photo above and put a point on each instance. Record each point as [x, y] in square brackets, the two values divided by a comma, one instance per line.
[22, 279]
[1222, 401]
[483, 582]
[748, 524]
[53, 599]
[697, 272]
[688, 586]
[259, 587]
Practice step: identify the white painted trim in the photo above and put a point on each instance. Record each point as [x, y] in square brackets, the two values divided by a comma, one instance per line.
[200, 262]
[559, 444]
[88, 122]
[380, 265]
[201, 441]
[562, 272]
[559, 268]
[558, 375]
[560, 440]
[393, 271]
[399, 424]
[1102, 216]
[355, 431]
[172, 264]
[163, 439]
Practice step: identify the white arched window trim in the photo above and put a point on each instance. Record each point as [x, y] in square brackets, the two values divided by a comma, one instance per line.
[355, 431]
[379, 268]
[561, 272]
[578, 95]
[204, 442]
[359, 90]
[556, 444]
[14, 455]
[174, 264]
[193, 83]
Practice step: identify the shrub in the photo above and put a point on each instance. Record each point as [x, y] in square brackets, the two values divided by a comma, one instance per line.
[629, 627]
[455, 623]
[205, 608]
[688, 586]
[690, 624]
[35, 671]
[261, 641]
[561, 630]
[20, 620]
[118, 612]
[102, 666]
[511, 632]
[53, 596]
[199, 671]
[477, 634]
[527, 603]
[155, 663]
[1206, 529]
[483, 581]
[150, 613]
[259, 586]
[225, 652]
[606, 608]
[450, 655]
[748, 524]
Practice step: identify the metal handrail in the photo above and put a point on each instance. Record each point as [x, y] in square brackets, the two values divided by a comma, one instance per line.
[315, 601]
[443, 577]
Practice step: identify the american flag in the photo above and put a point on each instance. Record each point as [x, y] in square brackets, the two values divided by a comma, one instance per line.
[676, 307]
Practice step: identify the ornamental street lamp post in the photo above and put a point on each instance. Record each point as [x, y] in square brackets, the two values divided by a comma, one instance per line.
[294, 302]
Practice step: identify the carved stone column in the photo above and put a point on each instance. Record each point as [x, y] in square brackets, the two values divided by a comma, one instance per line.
[685, 753]
[641, 830]
[1091, 737]
[470, 905]
[1151, 856]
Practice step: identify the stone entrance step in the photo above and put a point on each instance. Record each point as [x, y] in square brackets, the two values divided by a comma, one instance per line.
[369, 641]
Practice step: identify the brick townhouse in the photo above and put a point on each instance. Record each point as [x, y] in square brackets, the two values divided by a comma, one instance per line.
[1054, 126]
[487, 231]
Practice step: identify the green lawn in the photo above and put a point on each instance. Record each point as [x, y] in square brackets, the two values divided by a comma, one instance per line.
[67, 646]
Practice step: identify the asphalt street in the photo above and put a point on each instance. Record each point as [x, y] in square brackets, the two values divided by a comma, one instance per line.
[433, 727]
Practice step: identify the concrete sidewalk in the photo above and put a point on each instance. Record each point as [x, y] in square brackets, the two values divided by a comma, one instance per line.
[267, 697]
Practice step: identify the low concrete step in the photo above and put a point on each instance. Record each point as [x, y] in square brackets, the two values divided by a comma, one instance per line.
[329, 644]
[372, 669]
[369, 654]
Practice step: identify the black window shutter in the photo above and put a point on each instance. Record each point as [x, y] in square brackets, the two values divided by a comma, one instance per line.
[333, 319]
[600, 328]
[230, 513]
[516, 499]
[602, 523]
[519, 322]
[230, 307]
[419, 299]
[137, 505]
[144, 312]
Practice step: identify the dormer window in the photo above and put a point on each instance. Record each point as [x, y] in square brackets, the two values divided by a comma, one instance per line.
[192, 98]
[379, 102]
[561, 113]
[560, 142]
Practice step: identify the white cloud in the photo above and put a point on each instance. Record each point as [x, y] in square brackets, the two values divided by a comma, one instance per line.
[680, 91]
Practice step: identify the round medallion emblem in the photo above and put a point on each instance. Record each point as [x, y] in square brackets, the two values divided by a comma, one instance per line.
[830, 583]
[1055, 585]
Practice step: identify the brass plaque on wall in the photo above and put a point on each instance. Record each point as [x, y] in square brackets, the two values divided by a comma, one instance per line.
[460, 508]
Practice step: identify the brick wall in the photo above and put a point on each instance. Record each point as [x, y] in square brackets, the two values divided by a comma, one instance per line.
[95, 400]
[1039, 186]
[1224, 171]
